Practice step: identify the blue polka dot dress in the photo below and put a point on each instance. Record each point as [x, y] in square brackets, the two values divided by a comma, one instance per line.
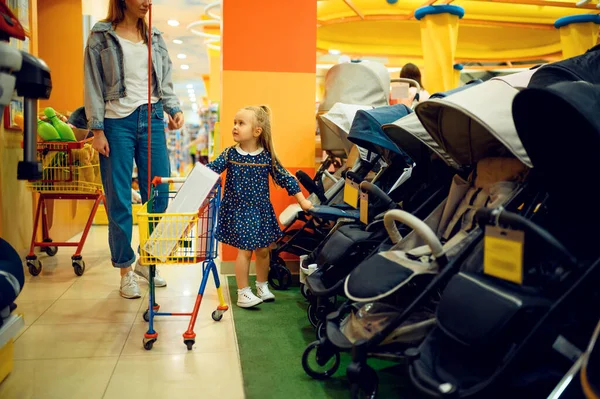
[246, 219]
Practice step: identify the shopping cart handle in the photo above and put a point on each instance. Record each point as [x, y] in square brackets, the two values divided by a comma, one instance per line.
[163, 180]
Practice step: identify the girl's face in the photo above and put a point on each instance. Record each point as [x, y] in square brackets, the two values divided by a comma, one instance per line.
[243, 127]
[138, 8]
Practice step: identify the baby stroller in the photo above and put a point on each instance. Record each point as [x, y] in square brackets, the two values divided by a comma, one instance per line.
[521, 336]
[359, 83]
[386, 319]
[429, 181]
[320, 220]
[422, 187]
[12, 279]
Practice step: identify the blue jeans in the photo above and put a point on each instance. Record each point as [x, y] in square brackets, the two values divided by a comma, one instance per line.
[128, 140]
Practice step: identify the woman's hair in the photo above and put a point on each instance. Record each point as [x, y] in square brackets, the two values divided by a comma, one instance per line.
[262, 116]
[411, 71]
[116, 15]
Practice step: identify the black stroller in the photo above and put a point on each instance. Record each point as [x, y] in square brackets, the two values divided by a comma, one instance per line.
[386, 319]
[523, 334]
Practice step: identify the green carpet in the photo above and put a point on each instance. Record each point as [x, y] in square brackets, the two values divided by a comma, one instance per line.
[272, 338]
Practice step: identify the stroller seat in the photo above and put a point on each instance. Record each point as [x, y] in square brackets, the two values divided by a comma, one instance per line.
[493, 182]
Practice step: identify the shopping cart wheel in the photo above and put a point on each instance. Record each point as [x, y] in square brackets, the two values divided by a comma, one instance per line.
[321, 359]
[148, 343]
[147, 315]
[217, 315]
[79, 267]
[189, 343]
[50, 251]
[34, 266]
[280, 277]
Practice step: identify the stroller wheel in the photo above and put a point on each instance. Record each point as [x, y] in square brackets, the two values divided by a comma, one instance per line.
[304, 290]
[280, 276]
[321, 330]
[321, 359]
[311, 312]
[366, 388]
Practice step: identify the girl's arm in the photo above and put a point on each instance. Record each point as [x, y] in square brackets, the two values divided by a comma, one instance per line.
[220, 164]
[284, 179]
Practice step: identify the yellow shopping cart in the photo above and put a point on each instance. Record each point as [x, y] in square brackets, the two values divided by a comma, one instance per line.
[179, 238]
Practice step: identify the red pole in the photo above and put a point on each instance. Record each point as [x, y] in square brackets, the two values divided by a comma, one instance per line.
[149, 97]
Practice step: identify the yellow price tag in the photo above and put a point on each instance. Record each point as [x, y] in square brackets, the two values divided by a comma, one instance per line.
[503, 254]
[364, 208]
[351, 194]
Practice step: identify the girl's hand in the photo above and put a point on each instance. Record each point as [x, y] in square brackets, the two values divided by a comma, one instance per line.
[306, 205]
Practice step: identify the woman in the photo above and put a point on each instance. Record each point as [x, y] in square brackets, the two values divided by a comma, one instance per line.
[411, 71]
[116, 105]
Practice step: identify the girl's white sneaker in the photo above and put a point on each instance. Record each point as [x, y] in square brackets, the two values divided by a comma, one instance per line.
[247, 299]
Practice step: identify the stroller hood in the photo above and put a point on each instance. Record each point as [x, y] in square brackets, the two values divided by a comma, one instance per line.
[362, 83]
[477, 123]
[556, 122]
[584, 67]
[367, 131]
[338, 120]
[409, 134]
[565, 116]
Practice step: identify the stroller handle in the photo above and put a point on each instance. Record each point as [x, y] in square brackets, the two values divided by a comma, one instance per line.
[498, 216]
[409, 81]
[371, 188]
[417, 225]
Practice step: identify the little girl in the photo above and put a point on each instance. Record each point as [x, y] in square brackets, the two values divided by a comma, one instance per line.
[247, 220]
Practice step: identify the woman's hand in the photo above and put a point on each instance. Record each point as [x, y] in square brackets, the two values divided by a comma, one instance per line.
[100, 143]
[305, 205]
[176, 121]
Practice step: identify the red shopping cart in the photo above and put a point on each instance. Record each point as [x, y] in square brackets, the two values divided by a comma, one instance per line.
[70, 171]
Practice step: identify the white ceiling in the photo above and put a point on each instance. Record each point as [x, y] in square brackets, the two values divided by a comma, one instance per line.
[193, 47]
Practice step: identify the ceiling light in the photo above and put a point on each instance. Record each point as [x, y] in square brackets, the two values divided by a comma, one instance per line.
[185, 66]
[181, 56]
[335, 52]
[177, 41]
[173, 22]
[190, 86]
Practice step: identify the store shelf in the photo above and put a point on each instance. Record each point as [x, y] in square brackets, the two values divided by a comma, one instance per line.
[10, 329]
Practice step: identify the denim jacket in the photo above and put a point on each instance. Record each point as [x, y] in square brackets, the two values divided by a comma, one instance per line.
[105, 78]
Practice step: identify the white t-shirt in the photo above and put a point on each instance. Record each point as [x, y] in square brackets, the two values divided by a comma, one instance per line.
[136, 81]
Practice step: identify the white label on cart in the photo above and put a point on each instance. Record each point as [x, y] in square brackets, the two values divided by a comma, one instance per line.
[190, 197]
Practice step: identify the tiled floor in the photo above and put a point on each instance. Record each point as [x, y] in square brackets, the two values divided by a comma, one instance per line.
[82, 340]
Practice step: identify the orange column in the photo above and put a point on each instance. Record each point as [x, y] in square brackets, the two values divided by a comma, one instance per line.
[60, 35]
[269, 57]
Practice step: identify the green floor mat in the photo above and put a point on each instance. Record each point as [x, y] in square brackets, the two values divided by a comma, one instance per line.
[272, 338]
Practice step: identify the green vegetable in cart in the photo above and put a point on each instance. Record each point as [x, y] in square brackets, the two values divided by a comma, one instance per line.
[47, 132]
[64, 130]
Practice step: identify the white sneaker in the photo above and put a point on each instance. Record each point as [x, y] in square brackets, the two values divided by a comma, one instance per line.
[246, 299]
[262, 289]
[129, 286]
[144, 272]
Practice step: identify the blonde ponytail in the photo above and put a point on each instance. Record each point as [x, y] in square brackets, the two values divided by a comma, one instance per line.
[262, 116]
